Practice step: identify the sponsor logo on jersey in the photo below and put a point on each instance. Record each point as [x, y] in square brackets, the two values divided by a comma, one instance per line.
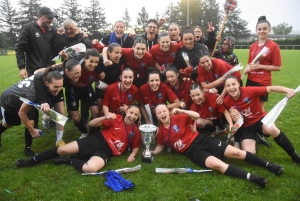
[210, 109]
[247, 112]
[175, 128]
[118, 144]
[159, 95]
[37, 34]
[129, 97]
[179, 145]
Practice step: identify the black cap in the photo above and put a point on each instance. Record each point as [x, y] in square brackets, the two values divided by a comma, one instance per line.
[48, 12]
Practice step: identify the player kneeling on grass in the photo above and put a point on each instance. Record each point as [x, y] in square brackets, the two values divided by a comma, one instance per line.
[202, 149]
[14, 111]
[245, 101]
[117, 135]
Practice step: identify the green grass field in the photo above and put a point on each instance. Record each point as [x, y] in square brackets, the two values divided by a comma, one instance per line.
[46, 181]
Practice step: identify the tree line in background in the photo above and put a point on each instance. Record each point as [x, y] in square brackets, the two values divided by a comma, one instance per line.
[92, 18]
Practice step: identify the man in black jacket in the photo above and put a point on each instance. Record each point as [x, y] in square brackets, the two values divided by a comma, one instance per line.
[71, 36]
[34, 50]
[36, 41]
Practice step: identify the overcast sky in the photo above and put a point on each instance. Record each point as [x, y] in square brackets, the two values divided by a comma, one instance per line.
[276, 11]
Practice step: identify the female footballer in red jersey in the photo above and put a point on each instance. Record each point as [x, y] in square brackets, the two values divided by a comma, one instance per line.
[83, 90]
[165, 51]
[120, 94]
[118, 135]
[155, 92]
[245, 101]
[202, 149]
[259, 74]
[180, 86]
[209, 110]
[137, 58]
[211, 72]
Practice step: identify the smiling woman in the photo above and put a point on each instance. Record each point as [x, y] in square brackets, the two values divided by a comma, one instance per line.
[155, 92]
[14, 111]
[120, 94]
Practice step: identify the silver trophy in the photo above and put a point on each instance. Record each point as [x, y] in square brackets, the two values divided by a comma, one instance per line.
[148, 133]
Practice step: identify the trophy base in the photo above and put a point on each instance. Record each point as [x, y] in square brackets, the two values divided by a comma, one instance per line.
[147, 159]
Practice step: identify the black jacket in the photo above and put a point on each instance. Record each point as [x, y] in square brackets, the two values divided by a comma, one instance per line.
[63, 41]
[128, 42]
[36, 46]
[210, 42]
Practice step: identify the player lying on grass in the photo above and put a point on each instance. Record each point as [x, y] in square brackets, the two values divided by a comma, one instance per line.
[95, 151]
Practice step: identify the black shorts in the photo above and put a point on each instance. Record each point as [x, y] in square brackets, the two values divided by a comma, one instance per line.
[99, 93]
[203, 147]
[74, 94]
[208, 129]
[12, 117]
[94, 145]
[249, 132]
[52, 100]
[261, 98]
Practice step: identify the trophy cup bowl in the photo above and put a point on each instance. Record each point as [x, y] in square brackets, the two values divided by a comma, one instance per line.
[148, 133]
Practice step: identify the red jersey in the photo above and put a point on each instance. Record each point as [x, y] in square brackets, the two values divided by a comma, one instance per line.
[87, 77]
[165, 58]
[179, 135]
[272, 58]
[219, 68]
[119, 135]
[248, 104]
[162, 95]
[210, 109]
[98, 47]
[114, 97]
[183, 91]
[138, 66]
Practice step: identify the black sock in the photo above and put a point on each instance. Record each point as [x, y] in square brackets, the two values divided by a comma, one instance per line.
[80, 125]
[36, 118]
[2, 129]
[28, 139]
[235, 172]
[255, 160]
[77, 164]
[285, 143]
[46, 155]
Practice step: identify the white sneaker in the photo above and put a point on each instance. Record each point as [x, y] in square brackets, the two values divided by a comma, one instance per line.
[83, 135]
[46, 124]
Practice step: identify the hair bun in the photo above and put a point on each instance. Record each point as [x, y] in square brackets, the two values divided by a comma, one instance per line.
[261, 18]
